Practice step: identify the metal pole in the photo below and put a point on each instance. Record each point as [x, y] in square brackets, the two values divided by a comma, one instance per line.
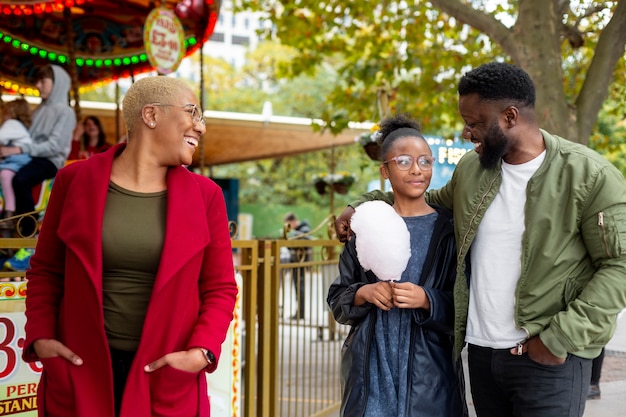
[67, 14]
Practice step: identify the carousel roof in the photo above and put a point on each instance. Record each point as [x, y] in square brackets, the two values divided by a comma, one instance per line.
[108, 36]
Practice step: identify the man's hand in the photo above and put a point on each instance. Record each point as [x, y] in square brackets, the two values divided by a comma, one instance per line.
[51, 348]
[539, 353]
[342, 225]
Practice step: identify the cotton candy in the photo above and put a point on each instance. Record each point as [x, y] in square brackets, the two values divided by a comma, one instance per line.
[383, 243]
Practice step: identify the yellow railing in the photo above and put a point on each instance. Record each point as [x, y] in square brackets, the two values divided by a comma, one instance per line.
[292, 365]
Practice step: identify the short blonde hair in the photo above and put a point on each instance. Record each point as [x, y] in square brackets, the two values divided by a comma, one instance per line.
[156, 89]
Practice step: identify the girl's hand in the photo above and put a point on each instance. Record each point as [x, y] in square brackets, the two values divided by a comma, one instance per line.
[409, 295]
[378, 294]
[191, 360]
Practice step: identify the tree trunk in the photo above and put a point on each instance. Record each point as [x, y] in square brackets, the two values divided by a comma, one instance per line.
[534, 43]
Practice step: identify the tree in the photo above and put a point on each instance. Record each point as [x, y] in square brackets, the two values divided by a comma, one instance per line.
[414, 52]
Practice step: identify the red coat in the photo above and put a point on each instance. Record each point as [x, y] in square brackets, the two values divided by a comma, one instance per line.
[191, 304]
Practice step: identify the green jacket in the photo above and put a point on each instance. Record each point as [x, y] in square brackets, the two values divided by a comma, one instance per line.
[573, 272]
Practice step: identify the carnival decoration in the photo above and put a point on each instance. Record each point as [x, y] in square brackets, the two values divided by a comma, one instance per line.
[107, 35]
[163, 37]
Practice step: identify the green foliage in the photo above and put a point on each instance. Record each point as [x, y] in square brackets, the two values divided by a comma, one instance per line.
[268, 218]
[289, 180]
[380, 48]
[408, 56]
[609, 137]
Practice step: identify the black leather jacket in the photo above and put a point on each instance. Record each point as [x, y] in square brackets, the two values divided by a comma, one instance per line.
[436, 378]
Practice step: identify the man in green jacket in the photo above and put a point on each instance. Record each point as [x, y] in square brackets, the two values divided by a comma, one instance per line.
[540, 224]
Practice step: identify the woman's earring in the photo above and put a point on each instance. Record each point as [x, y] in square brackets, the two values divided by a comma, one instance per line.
[152, 124]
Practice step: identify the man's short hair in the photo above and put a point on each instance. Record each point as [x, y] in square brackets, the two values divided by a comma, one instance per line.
[499, 81]
[290, 217]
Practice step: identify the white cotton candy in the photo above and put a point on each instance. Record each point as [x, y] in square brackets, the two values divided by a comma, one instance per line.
[383, 243]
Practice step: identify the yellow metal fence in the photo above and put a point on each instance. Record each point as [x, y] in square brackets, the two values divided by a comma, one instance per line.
[292, 344]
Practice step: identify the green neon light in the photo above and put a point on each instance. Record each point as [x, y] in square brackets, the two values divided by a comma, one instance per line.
[63, 59]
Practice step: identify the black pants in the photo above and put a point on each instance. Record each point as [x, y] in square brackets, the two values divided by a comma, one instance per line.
[297, 279]
[596, 369]
[31, 174]
[121, 363]
[506, 385]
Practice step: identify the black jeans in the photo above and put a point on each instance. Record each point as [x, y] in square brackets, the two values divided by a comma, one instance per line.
[297, 279]
[506, 385]
[31, 174]
[596, 368]
[121, 362]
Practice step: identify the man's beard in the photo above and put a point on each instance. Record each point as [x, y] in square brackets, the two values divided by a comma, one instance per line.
[495, 145]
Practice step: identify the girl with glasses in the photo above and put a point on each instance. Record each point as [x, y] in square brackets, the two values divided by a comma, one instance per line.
[397, 359]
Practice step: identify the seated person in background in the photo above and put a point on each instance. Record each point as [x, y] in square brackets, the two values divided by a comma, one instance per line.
[51, 132]
[89, 139]
[16, 120]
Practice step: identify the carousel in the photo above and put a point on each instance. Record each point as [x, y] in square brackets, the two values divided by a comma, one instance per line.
[108, 37]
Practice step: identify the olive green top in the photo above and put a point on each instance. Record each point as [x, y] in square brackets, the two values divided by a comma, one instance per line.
[133, 232]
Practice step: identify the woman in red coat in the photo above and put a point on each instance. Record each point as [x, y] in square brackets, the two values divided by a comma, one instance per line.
[131, 288]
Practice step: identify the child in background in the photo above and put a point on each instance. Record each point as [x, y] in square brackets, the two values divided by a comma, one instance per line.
[16, 120]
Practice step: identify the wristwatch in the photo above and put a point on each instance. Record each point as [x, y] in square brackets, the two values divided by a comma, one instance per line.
[208, 355]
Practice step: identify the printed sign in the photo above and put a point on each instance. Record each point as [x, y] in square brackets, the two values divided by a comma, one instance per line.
[18, 380]
[164, 40]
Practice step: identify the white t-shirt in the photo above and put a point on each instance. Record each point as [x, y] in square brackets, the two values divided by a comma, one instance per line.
[14, 133]
[496, 261]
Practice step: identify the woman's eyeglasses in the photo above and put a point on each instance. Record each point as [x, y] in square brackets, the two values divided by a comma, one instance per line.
[405, 162]
[197, 115]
